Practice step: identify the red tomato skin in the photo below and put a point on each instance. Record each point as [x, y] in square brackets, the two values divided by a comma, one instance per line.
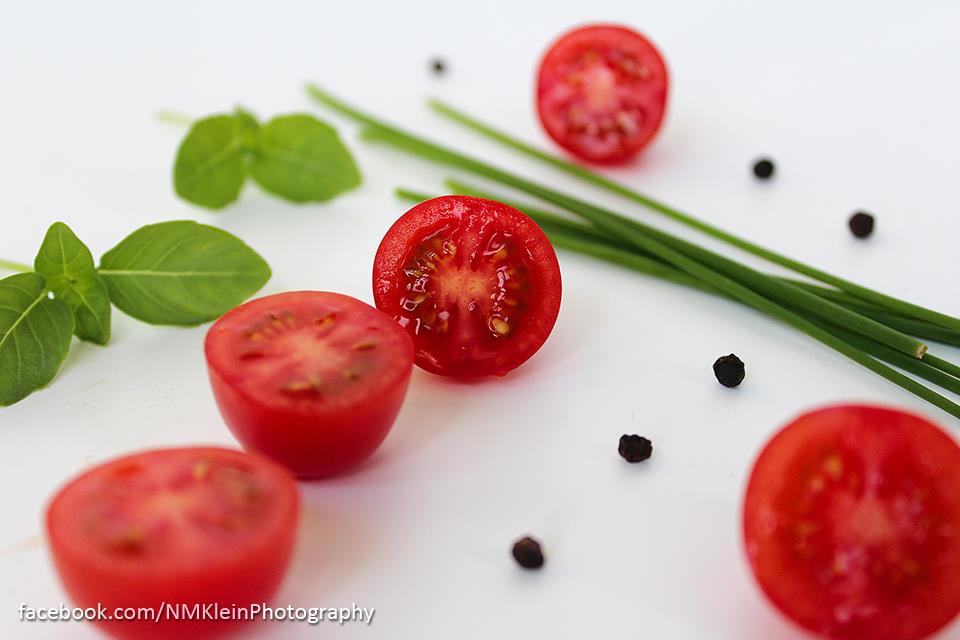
[312, 445]
[395, 247]
[874, 433]
[602, 36]
[309, 447]
[252, 578]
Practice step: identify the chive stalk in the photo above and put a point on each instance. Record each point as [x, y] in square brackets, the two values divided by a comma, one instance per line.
[944, 365]
[10, 265]
[895, 305]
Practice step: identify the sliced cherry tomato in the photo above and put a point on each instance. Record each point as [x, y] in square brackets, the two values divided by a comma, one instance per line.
[312, 379]
[475, 282]
[852, 523]
[602, 93]
[193, 526]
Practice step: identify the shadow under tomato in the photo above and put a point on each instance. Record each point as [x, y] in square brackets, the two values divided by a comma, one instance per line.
[332, 546]
[429, 410]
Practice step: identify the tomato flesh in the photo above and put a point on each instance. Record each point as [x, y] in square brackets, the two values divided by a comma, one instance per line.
[312, 379]
[852, 523]
[602, 93]
[476, 284]
[182, 526]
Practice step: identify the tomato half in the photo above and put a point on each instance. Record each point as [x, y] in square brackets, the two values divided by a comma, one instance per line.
[180, 526]
[309, 378]
[852, 523]
[476, 284]
[602, 92]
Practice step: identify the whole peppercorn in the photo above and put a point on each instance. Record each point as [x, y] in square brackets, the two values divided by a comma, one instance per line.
[763, 168]
[438, 66]
[729, 370]
[527, 553]
[634, 448]
[861, 224]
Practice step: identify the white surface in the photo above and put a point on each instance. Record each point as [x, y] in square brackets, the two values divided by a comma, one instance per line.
[856, 102]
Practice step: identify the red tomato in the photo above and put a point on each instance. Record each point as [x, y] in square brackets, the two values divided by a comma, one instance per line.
[310, 378]
[475, 282]
[181, 526]
[602, 92]
[852, 523]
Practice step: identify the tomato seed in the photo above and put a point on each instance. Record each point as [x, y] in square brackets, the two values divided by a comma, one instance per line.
[861, 224]
[527, 553]
[833, 466]
[499, 326]
[729, 370]
[763, 169]
[201, 470]
[634, 448]
[310, 387]
[130, 542]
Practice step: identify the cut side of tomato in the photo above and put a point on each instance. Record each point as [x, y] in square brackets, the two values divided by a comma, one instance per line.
[313, 379]
[852, 523]
[180, 526]
[602, 93]
[475, 283]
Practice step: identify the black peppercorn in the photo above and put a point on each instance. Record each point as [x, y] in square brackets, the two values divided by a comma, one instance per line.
[527, 553]
[763, 168]
[729, 370]
[438, 66]
[635, 448]
[861, 224]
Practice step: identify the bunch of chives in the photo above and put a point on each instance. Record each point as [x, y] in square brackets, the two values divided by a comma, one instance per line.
[866, 326]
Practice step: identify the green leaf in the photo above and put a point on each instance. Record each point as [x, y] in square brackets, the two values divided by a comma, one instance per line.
[211, 164]
[66, 264]
[35, 335]
[249, 127]
[302, 159]
[181, 273]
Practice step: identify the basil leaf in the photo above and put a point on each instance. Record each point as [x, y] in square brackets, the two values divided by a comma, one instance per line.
[181, 273]
[211, 163]
[67, 266]
[35, 335]
[249, 127]
[302, 159]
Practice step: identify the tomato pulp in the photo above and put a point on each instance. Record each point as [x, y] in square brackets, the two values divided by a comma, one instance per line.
[309, 378]
[178, 526]
[852, 523]
[475, 283]
[602, 93]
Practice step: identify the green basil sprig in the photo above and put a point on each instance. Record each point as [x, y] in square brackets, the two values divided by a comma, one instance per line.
[172, 273]
[296, 157]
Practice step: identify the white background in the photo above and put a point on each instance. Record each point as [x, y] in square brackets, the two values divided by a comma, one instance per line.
[857, 102]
